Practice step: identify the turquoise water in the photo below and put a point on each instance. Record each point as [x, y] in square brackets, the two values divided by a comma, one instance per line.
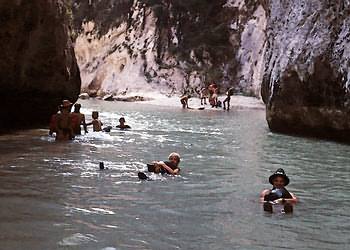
[53, 195]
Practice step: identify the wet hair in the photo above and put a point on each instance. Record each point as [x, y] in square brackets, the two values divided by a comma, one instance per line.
[77, 106]
[121, 119]
[95, 114]
[176, 155]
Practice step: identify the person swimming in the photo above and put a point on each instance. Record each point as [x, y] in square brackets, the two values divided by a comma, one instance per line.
[122, 124]
[166, 167]
[278, 194]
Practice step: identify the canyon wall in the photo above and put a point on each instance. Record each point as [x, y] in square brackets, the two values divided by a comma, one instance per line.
[37, 65]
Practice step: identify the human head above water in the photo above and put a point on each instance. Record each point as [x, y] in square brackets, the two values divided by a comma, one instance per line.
[77, 106]
[174, 157]
[122, 120]
[94, 114]
[66, 104]
[279, 178]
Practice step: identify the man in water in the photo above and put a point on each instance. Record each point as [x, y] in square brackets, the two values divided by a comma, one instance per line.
[122, 124]
[229, 93]
[64, 122]
[96, 123]
[78, 119]
[278, 194]
[169, 167]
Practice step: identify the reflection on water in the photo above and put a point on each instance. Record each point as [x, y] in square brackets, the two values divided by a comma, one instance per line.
[54, 195]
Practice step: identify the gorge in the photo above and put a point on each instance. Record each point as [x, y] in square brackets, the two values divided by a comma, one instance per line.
[292, 55]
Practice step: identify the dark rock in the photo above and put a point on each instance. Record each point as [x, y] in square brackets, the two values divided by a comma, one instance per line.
[37, 65]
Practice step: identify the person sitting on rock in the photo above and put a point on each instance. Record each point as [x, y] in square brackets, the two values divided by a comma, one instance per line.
[78, 119]
[168, 167]
[122, 124]
[96, 123]
[64, 122]
[278, 194]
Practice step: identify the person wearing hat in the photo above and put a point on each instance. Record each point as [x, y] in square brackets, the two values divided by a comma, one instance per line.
[278, 194]
[78, 119]
[64, 129]
[122, 124]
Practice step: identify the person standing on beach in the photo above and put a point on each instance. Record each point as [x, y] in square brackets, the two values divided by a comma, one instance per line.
[204, 95]
[229, 93]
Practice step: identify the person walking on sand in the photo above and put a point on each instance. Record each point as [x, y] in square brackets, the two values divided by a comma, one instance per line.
[229, 93]
[64, 122]
[78, 119]
[96, 123]
[204, 95]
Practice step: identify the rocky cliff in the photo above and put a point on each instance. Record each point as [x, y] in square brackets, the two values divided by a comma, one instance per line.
[169, 46]
[295, 53]
[306, 75]
[37, 64]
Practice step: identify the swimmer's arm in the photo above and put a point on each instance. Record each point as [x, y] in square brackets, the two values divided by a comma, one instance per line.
[169, 170]
[263, 193]
[292, 200]
[84, 124]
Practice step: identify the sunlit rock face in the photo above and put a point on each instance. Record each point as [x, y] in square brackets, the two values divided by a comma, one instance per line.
[37, 64]
[306, 84]
[169, 46]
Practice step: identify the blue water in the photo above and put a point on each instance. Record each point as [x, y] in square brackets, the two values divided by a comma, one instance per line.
[53, 196]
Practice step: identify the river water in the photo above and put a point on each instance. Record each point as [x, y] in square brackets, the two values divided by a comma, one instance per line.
[53, 195]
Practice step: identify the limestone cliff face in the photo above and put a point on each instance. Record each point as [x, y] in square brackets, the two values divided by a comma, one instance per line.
[306, 75]
[37, 64]
[169, 45]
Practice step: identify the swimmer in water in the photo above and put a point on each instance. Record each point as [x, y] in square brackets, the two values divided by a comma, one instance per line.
[278, 194]
[168, 167]
[122, 124]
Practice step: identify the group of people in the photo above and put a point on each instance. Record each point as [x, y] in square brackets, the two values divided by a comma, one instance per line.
[212, 94]
[66, 124]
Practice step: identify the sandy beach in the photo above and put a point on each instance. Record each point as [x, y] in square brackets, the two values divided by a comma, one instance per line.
[237, 102]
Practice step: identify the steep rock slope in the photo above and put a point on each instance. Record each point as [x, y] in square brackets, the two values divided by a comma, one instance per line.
[37, 65]
[169, 45]
[306, 84]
